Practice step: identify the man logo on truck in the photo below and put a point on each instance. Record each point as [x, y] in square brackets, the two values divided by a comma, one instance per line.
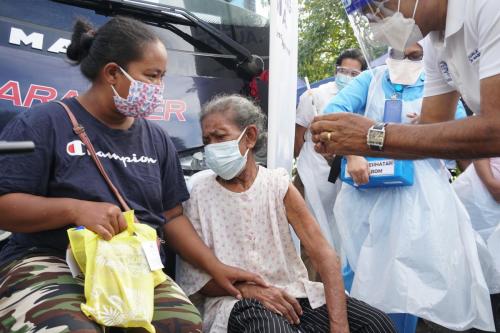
[35, 39]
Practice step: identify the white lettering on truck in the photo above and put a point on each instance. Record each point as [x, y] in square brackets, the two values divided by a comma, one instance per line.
[35, 39]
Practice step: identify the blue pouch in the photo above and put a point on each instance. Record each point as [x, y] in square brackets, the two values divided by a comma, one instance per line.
[384, 172]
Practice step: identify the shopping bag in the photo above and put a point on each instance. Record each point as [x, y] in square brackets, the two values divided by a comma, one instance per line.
[119, 283]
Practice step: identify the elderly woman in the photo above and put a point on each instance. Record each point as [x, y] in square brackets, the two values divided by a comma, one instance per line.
[243, 212]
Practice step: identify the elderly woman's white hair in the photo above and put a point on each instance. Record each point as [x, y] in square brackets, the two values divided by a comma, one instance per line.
[242, 112]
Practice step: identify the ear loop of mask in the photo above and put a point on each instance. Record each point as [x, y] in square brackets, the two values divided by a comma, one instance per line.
[239, 139]
[380, 4]
[126, 74]
[132, 79]
[241, 135]
[376, 18]
[379, 9]
[415, 9]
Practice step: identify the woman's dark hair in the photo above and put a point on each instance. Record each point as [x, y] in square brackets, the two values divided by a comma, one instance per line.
[120, 40]
[352, 54]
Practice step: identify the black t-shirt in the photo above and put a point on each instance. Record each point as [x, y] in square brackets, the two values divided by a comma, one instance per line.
[142, 163]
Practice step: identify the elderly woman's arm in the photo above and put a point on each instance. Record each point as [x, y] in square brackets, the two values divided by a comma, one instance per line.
[483, 170]
[323, 257]
[182, 236]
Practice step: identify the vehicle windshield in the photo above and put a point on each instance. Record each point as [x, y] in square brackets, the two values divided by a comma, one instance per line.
[253, 13]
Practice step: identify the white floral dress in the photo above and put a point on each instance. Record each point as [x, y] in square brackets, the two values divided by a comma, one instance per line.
[248, 230]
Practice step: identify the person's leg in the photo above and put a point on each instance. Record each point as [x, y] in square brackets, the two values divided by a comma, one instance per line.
[39, 294]
[174, 313]
[250, 316]
[364, 318]
[313, 320]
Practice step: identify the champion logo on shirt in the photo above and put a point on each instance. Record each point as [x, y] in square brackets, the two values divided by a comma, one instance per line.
[77, 148]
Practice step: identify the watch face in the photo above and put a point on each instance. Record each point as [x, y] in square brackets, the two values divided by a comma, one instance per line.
[377, 137]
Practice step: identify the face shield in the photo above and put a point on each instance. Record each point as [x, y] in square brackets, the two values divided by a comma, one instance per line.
[378, 24]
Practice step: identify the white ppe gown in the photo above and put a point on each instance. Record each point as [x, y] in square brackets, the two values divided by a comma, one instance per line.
[312, 167]
[484, 213]
[413, 248]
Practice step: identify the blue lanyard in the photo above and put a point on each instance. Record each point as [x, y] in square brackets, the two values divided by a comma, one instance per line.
[398, 91]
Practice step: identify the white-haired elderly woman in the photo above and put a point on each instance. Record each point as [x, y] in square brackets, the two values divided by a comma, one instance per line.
[243, 213]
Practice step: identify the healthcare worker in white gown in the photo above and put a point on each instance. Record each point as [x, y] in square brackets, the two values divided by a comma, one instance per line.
[412, 248]
[479, 189]
[312, 167]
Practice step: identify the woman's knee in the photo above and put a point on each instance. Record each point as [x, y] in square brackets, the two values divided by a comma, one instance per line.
[173, 310]
[250, 316]
[182, 318]
[39, 293]
[364, 318]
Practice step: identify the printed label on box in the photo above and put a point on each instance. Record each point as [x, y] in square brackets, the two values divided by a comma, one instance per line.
[381, 168]
[378, 168]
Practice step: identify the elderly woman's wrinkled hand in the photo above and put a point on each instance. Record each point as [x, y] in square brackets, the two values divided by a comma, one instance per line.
[274, 299]
[103, 218]
[341, 133]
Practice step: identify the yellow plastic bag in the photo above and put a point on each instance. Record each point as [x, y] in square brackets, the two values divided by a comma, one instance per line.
[119, 285]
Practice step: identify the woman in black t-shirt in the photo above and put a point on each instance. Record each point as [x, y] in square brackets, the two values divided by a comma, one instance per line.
[59, 186]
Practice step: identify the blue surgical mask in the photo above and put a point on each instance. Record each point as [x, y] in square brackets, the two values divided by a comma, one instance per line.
[225, 159]
[342, 80]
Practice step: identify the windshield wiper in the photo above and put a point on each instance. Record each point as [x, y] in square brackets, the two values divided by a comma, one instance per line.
[157, 13]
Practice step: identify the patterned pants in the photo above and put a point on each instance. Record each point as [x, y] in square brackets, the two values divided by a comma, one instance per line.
[250, 316]
[38, 294]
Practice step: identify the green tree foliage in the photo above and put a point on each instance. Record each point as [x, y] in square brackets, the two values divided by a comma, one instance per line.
[324, 32]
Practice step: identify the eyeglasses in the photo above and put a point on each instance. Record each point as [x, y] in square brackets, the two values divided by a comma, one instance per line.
[348, 71]
[399, 55]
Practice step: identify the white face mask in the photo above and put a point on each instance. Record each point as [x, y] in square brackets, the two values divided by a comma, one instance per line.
[405, 71]
[396, 30]
[225, 159]
[342, 80]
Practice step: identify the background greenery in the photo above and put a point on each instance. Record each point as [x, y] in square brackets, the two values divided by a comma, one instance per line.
[324, 32]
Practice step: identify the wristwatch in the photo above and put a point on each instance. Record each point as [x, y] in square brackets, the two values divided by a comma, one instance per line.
[376, 136]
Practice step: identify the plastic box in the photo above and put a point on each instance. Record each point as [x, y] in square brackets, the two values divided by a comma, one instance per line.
[384, 172]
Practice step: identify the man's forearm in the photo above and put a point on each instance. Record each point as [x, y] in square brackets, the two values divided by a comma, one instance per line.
[473, 137]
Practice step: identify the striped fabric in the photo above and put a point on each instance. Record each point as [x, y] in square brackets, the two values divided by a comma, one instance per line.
[250, 316]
